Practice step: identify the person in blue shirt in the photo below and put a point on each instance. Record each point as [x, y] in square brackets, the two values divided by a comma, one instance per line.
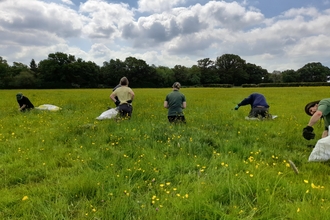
[258, 103]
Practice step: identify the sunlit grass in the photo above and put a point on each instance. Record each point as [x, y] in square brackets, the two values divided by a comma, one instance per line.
[68, 165]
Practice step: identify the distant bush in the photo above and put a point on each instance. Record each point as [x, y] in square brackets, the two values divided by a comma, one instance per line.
[249, 85]
[218, 85]
[294, 84]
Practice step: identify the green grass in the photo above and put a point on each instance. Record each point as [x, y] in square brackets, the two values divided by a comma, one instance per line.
[67, 165]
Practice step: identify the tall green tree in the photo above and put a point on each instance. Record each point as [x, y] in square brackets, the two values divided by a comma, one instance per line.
[165, 75]
[4, 73]
[111, 72]
[55, 68]
[25, 79]
[180, 73]
[83, 74]
[140, 73]
[289, 76]
[256, 74]
[313, 72]
[276, 77]
[34, 67]
[208, 71]
[194, 76]
[231, 69]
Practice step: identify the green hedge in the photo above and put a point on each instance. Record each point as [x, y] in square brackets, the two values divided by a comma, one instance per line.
[295, 84]
[218, 85]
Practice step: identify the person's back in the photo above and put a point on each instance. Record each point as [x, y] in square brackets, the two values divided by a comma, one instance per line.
[123, 97]
[259, 100]
[255, 100]
[175, 102]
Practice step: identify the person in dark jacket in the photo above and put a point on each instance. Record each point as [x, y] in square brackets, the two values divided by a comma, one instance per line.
[258, 103]
[23, 102]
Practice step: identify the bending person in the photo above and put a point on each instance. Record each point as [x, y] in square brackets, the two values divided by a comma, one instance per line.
[317, 110]
[258, 103]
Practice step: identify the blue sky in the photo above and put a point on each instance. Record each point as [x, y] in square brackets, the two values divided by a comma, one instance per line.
[274, 34]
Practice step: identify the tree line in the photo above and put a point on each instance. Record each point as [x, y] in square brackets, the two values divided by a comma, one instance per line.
[62, 70]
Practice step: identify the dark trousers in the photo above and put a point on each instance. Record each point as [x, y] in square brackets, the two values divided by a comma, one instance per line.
[125, 110]
[176, 119]
[259, 112]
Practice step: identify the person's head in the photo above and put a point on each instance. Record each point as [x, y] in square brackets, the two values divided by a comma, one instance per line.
[176, 85]
[311, 107]
[123, 81]
[19, 96]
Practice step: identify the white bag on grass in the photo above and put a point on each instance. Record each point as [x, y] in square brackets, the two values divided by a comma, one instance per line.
[111, 113]
[321, 151]
[48, 107]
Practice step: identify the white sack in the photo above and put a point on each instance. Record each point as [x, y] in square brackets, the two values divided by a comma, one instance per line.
[321, 151]
[111, 113]
[48, 107]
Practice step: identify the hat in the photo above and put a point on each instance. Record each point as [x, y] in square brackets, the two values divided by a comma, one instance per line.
[176, 85]
[309, 105]
[19, 96]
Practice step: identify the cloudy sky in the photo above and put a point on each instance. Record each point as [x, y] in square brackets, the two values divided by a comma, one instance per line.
[273, 34]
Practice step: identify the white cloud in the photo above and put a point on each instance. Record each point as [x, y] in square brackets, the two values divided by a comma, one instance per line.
[175, 35]
[157, 6]
[105, 18]
[68, 2]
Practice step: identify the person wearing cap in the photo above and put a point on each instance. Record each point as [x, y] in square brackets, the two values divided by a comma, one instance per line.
[175, 102]
[258, 103]
[23, 102]
[317, 110]
[125, 97]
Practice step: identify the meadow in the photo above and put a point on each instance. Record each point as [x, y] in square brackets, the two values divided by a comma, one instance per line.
[68, 165]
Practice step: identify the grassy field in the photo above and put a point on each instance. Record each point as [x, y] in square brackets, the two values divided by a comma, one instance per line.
[67, 165]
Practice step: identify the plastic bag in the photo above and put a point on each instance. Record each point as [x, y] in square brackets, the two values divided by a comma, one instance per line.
[111, 113]
[48, 107]
[321, 151]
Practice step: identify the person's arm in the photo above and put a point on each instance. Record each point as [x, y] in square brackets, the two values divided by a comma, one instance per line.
[184, 105]
[112, 96]
[325, 134]
[316, 116]
[132, 95]
[23, 107]
[165, 104]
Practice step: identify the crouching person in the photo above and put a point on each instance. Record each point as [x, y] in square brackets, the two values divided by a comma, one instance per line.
[125, 96]
[259, 106]
[23, 102]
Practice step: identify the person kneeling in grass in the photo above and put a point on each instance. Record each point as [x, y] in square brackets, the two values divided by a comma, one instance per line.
[23, 102]
[175, 102]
